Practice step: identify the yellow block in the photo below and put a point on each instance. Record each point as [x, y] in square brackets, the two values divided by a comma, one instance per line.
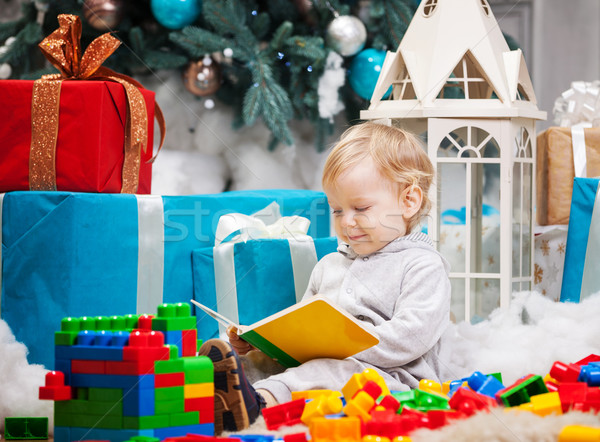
[430, 386]
[322, 406]
[312, 394]
[205, 389]
[579, 433]
[547, 403]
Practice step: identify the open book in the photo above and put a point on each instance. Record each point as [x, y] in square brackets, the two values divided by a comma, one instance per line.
[314, 328]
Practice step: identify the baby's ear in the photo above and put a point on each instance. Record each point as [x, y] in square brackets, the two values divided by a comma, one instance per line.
[411, 199]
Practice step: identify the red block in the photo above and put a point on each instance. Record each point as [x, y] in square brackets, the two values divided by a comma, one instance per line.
[137, 368]
[189, 339]
[288, 413]
[588, 359]
[565, 372]
[88, 366]
[55, 393]
[295, 437]
[469, 402]
[198, 403]
[91, 130]
[169, 380]
[389, 402]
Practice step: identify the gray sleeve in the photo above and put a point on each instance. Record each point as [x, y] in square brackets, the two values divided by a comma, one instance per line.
[314, 281]
[421, 314]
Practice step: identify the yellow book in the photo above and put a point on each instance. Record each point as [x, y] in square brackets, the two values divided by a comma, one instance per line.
[313, 328]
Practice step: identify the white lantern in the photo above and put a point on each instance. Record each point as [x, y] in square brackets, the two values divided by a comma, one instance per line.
[456, 83]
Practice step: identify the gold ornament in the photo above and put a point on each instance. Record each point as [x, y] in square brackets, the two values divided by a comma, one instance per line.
[104, 15]
[202, 77]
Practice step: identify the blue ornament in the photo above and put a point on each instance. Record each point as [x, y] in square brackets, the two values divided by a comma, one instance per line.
[364, 72]
[176, 14]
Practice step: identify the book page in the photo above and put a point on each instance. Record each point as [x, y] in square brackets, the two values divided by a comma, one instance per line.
[218, 317]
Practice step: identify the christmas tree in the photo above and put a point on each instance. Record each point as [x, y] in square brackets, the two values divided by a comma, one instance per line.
[274, 60]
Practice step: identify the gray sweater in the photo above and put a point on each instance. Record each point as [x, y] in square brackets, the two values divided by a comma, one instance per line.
[401, 292]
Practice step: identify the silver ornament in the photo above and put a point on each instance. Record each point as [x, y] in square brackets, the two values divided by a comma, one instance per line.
[346, 35]
[5, 71]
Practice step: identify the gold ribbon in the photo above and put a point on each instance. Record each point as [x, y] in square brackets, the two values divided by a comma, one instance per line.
[62, 48]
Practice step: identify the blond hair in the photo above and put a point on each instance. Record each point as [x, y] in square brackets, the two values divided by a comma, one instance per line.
[398, 155]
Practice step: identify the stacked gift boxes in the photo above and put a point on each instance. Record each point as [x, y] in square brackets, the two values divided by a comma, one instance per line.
[124, 376]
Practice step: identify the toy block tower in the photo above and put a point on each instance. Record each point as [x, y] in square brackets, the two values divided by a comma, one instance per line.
[130, 376]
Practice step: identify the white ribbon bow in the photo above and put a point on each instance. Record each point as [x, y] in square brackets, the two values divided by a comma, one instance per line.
[236, 227]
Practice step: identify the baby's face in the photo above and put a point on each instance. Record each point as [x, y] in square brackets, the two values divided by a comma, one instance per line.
[367, 210]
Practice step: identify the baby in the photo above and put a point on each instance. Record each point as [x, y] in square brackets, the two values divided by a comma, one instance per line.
[386, 273]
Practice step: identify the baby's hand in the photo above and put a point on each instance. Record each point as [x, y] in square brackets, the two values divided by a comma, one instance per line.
[238, 344]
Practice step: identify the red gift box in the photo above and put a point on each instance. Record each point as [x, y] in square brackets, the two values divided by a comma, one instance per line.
[90, 143]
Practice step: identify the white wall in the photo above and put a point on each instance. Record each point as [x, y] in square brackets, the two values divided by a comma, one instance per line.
[566, 48]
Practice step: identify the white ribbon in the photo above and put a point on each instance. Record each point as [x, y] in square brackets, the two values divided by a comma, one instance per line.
[1, 223]
[579, 155]
[236, 227]
[590, 281]
[151, 253]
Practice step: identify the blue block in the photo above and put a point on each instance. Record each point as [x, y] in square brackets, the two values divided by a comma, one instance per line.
[174, 337]
[126, 382]
[88, 352]
[202, 429]
[484, 384]
[64, 365]
[138, 402]
[62, 434]
[255, 437]
[105, 434]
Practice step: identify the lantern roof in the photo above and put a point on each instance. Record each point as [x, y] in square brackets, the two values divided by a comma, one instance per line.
[454, 61]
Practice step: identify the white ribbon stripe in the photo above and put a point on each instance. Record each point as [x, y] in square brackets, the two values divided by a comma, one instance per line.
[590, 281]
[1, 224]
[579, 154]
[151, 253]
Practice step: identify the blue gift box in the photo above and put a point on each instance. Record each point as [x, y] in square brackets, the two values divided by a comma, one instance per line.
[82, 254]
[583, 242]
[267, 276]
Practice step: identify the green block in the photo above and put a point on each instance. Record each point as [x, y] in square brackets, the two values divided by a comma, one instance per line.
[498, 376]
[522, 392]
[170, 324]
[131, 321]
[170, 366]
[169, 407]
[82, 393]
[25, 428]
[65, 337]
[145, 422]
[98, 394]
[180, 419]
[102, 323]
[118, 323]
[199, 343]
[198, 369]
[70, 324]
[430, 401]
[87, 323]
[88, 420]
[406, 397]
[168, 394]
[92, 408]
[143, 439]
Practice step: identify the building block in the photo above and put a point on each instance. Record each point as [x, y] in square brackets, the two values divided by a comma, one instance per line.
[484, 384]
[572, 393]
[469, 402]
[168, 393]
[88, 352]
[145, 322]
[343, 429]
[295, 437]
[429, 385]
[198, 370]
[180, 419]
[105, 394]
[389, 402]
[88, 366]
[202, 429]
[562, 372]
[79, 406]
[322, 406]
[188, 342]
[112, 381]
[406, 398]
[360, 406]
[590, 374]
[145, 422]
[312, 394]
[25, 428]
[138, 402]
[62, 433]
[579, 433]
[169, 407]
[544, 404]
[198, 390]
[112, 435]
[168, 366]
[590, 358]
[55, 388]
[132, 368]
[430, 401]
[169, 380]
[288, 413]
[89, 420]
[521, 391]
[358, 380]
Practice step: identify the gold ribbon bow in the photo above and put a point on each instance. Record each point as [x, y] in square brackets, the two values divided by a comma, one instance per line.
[62, 48]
